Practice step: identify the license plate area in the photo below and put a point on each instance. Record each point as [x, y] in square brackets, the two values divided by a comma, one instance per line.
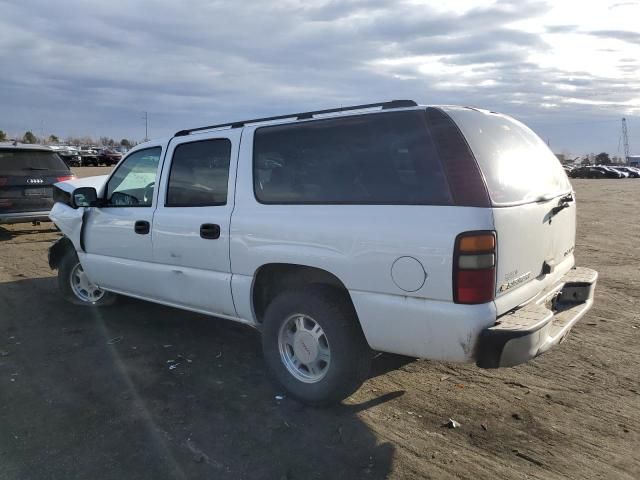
[36, 192]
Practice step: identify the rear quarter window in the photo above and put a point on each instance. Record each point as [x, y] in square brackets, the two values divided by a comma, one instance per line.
[383, 158]
[517, 165]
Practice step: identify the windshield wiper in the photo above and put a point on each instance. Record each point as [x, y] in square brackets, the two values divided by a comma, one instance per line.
[35, 168]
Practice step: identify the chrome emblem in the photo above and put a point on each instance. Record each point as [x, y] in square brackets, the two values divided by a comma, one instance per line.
[515, 282]
[34, 181]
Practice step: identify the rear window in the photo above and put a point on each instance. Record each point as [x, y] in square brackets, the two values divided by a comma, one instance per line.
[517, 165]
[385, 158]
[17, 160]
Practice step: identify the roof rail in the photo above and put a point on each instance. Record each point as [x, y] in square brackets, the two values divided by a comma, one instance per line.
[303, 115]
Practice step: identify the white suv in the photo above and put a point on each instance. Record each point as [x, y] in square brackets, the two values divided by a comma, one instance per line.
[444, 233]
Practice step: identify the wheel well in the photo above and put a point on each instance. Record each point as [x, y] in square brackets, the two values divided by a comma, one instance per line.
[272, 279]
[58, 250]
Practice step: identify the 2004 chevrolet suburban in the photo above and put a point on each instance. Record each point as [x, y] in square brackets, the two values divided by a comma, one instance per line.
[442, 232]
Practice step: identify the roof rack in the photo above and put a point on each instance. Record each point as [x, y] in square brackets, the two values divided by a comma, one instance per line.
[303, 115]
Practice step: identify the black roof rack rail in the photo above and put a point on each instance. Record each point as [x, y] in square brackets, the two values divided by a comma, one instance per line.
[304, 115]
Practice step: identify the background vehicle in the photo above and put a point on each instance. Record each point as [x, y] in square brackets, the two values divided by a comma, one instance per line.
[277, 223]
[70, 155]
[89, 156]
[109, 157]
[27, 175]
[610, 172]
[629, 171]
[595, 172]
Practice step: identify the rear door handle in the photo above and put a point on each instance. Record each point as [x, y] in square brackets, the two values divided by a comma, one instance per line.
[141, 227]
[210, 231]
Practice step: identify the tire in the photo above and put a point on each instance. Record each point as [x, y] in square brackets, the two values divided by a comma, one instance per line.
[67, 269]
[349, 354]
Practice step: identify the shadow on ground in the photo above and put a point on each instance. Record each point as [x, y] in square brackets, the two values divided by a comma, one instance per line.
[143, 391]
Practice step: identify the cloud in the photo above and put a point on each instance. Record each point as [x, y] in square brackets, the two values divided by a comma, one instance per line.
[94, 67]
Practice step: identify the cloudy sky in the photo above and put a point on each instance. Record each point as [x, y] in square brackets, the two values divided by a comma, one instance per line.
[569, 69]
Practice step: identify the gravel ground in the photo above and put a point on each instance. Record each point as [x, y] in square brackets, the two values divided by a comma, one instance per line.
[91, 394]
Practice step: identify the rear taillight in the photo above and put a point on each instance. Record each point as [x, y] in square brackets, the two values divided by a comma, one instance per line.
[474, 267]
[65, 178]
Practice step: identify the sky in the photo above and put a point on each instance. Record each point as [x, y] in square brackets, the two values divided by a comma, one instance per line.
[568, 69]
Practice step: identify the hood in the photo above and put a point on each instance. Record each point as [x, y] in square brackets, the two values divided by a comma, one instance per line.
[96, 182]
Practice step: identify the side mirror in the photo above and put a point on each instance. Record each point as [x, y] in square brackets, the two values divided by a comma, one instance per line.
[84, 197]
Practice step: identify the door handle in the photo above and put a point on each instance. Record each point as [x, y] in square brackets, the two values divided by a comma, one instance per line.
[141, 227]
[210, 231]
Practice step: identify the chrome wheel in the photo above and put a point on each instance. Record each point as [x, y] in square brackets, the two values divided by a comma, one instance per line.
[304, 348]
[82, 286]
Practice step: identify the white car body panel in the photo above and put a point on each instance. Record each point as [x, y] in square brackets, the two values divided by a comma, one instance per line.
[116, 257]
[96, 182]
[195, 272]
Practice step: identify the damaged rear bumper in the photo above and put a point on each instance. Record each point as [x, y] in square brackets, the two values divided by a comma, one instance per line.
[531, 330]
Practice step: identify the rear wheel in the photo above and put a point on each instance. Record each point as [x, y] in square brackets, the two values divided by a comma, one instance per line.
[75, 285]
[313, 345]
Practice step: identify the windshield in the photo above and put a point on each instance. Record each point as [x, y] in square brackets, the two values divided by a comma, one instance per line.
[517, 165]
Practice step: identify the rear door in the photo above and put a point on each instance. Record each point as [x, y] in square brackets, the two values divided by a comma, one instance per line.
[191, 223]
[533, 204]
[27, 177]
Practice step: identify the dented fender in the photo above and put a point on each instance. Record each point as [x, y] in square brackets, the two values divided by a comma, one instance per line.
[69, 221]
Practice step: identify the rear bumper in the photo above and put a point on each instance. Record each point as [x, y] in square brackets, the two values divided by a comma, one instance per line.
[527, 332]
[24, 217]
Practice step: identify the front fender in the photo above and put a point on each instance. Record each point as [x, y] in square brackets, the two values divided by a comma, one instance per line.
[69, 221]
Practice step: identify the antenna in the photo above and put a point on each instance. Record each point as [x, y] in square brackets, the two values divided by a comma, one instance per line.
[625, 140]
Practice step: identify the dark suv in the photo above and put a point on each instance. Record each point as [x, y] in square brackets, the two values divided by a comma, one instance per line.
[27, 175]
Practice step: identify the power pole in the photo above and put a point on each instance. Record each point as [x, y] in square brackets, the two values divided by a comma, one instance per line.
[625, 140]
[146, 126]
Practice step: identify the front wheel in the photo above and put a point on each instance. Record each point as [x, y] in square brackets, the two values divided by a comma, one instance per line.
[76, 287]
[313, 345]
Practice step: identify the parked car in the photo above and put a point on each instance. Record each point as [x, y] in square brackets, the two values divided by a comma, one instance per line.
[629, 171]
[109, 157]
[444, 233]
[586, 172]
[89, 156]
[70, 155]
[610, 172]
[27, 175]
[594, 172]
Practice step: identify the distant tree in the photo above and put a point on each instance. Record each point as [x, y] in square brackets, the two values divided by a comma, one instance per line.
[585, 161]
[29, 137]
[53, 139]
[3, 136]
[125, 143]
[106, 141]
[603, 158]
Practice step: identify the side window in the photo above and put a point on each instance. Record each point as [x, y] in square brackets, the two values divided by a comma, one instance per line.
[199, 174]
[133, 183]
[382, 158]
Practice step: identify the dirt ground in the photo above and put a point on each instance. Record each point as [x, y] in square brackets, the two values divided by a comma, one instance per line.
[92, 394]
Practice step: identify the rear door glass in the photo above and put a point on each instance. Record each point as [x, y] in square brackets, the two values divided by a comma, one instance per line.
[199, 174]
[517, 165]
[20, 161]
[384, 158]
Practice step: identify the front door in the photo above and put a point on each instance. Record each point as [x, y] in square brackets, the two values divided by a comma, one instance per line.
[117, 236]
[191, 223]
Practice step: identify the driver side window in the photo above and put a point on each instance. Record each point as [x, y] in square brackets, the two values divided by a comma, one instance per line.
[133, 183]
